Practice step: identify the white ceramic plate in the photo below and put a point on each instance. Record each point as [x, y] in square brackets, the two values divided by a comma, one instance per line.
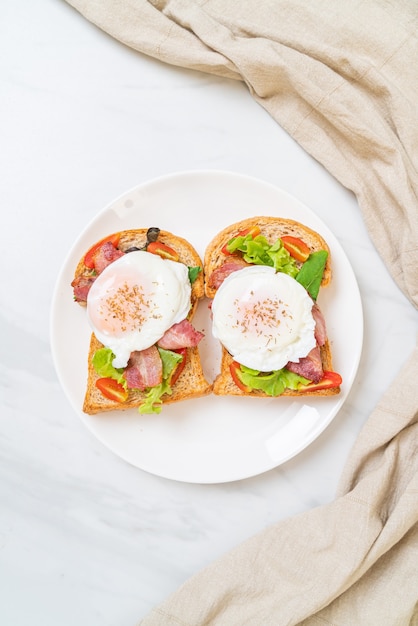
[211, 439]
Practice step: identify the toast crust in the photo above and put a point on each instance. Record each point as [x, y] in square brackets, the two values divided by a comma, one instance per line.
[272, 228]
[191, 382]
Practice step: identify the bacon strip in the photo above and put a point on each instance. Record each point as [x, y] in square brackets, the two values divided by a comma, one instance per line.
[181, 335]
[105, 255]
[220, 273]
[81, 287]
[145, 369]
[320, 328]
[309, 367]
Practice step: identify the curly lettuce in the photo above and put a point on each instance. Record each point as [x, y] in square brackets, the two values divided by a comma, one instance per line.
[258, 251]
[271, 383]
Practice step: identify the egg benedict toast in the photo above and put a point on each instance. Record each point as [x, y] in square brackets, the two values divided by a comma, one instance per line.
[141, 288]
[263, 275]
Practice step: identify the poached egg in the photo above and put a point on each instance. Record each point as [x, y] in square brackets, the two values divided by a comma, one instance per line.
[135, 300]
[263, 318]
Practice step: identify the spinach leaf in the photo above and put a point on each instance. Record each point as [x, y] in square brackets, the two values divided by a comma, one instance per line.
[311, 272]
[194, 273]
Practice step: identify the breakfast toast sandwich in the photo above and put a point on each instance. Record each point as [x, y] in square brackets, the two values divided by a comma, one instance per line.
[141, 288]
[263, 275]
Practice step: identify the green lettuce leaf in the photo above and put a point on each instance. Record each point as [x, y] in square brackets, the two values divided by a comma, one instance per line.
[271, 383]
[170, 360]
[258, 251]
[153, 399]
[102, 363]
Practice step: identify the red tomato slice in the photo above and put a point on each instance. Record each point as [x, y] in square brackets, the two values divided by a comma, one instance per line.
[164, 251]
[89, 257]
[225, 250]
[296, 248]
[175, 374]
[329, 380]
[234, 369]
[112, 389]
[253, 230]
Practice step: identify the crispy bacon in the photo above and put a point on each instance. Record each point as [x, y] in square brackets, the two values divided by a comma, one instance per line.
[181, 335]
[220, 273]
[81, 287]
[145, 369]
[320, 327]
[105, 255]
[309, 366]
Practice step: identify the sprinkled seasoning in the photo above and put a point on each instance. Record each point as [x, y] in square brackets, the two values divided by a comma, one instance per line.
[128, 307]
[262, 315]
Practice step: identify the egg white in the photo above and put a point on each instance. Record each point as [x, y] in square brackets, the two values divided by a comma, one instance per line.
[263, 318]
[135, 300]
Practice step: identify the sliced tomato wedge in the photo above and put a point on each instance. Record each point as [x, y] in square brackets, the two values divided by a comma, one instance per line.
[89, 256]
[296, 247]
[112, 389]
[177, 371]
[234, 369]
[164, 251]
[225, 250]
[253, 231]
[329, 380]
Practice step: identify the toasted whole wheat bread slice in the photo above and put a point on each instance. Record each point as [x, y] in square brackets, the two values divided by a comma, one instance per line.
[272, 228]
[192, 382]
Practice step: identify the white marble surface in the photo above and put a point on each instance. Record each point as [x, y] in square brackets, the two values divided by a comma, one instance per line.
[85, 538]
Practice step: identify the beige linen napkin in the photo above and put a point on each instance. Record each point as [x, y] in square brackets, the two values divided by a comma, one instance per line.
[342, 78]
